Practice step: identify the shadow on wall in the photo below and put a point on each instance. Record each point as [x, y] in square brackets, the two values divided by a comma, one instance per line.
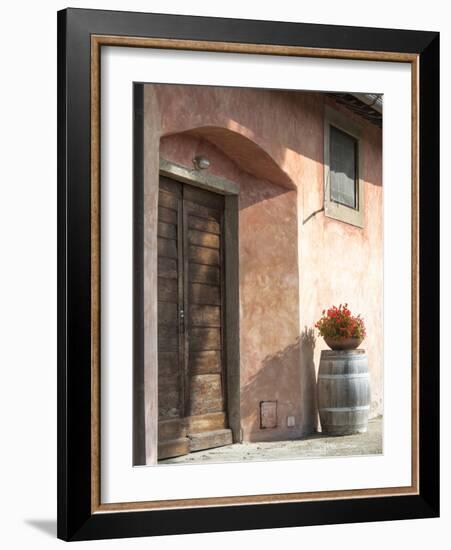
[308, 388]
[279, 379]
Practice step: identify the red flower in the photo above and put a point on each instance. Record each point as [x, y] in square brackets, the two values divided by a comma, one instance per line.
[339, 322]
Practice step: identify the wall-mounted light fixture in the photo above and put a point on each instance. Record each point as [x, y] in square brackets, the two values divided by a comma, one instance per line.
[200, 162]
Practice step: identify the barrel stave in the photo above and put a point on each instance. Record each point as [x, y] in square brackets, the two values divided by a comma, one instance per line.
[343, 392]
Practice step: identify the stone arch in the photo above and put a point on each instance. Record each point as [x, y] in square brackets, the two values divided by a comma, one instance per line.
[237, 145]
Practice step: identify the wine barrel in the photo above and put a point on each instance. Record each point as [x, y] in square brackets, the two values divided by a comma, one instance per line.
[343, 392]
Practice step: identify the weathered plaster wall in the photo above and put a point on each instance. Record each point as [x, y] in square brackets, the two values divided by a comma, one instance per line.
[343, 263]
[269, 142]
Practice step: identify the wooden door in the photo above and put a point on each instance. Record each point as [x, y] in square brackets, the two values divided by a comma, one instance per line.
[191, 366]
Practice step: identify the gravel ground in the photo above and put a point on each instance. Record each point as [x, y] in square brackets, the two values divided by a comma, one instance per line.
[315, 445]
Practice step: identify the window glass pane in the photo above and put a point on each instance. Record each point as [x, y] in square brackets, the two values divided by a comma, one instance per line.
[343, 150]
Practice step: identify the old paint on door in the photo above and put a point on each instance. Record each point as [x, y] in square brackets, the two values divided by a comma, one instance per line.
[191, 369]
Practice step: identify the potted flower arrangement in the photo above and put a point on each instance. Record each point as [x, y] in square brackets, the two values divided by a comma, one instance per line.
[340, 329]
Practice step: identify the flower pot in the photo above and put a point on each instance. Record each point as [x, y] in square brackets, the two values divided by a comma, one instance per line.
[342, 343]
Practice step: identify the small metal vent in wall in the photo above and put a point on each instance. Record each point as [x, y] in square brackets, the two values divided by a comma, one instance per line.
[268, 414]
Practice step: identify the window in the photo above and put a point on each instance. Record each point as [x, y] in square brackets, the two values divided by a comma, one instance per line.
[343, 188]
[343, 170]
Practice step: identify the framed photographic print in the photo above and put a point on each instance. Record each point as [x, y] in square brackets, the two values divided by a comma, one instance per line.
[248, 274]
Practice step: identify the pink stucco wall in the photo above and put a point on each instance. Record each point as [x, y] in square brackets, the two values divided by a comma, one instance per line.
[294, 261]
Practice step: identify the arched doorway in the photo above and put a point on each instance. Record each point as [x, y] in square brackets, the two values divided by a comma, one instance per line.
[260, 353]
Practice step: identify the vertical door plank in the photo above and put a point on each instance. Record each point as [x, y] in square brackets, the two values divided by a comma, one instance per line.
[186, 321]
[172, 440]
[203, 223]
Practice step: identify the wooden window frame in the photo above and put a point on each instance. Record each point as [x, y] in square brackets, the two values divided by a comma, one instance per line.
[333, 209]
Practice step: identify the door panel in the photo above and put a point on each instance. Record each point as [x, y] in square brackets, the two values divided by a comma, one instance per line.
[202, 198]
[191, 395]
[205, 339]
[172, 439]
[167, 248]
[206, 422]
[167, 290]
[202, 238]
[204, 362]
[204, 315]
[167, 230]
[167, 268]
[203, 219]
[201, 294]
[167, 216]
[204, 224]
[202, 255]
[206, 394]
[206, 274]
